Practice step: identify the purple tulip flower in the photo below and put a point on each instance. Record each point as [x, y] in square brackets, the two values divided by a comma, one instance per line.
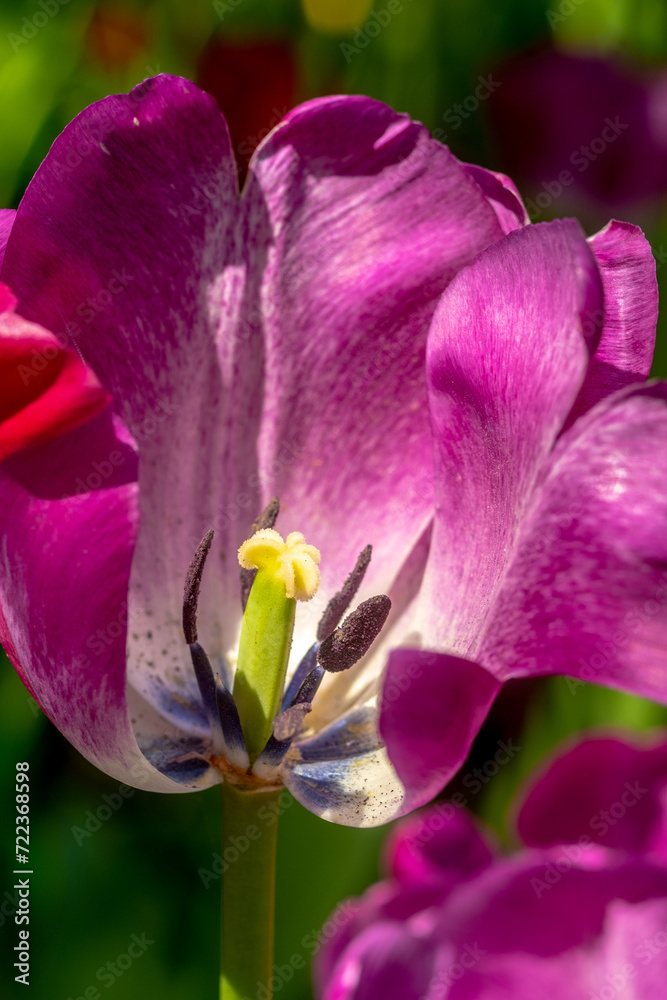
[580, 914]
[275, 344]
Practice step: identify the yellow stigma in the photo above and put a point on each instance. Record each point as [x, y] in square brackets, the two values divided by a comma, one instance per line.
[293, 561]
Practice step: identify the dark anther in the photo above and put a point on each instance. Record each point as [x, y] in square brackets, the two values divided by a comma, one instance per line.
[266, 519]
[341, 601]
[290, 722]
[354, 637]
[191, 590]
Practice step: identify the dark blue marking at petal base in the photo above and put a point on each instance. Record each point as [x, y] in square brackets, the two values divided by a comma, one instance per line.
[207, 689]
[228, 715]
[182, 761]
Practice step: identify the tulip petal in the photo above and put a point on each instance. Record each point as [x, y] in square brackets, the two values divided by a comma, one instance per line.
[440, 846]
[616, 795]
[433, 706]
[385, 903]
[586, 594]
[539, 925]
[348, 293]
[343, 774]
[6, 222]
[544, 925]
[64, 568]
[625, 351]
[503, 195]
[508, 351]
[385, 962]
[130, 237]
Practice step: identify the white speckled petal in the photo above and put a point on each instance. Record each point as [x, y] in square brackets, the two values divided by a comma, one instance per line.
[343, 773]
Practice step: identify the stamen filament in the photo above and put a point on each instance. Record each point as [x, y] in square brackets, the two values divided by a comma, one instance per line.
[298, 677]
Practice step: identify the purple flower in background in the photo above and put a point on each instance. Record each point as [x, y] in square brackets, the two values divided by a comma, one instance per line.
[295, 341]
[579, 914]
[581, 130]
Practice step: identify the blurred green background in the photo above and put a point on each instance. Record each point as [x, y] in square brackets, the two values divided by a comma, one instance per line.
[139, 873]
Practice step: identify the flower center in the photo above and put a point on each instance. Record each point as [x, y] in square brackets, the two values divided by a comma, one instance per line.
[286, 572]
[253, 727]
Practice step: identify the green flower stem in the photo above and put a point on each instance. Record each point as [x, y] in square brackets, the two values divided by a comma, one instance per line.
[249, 829]
[264, 647]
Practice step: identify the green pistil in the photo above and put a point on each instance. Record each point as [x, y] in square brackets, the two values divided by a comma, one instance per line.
[264, 647]
[286, 573]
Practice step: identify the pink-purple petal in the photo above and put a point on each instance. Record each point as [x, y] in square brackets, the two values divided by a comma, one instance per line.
[586, 594]
[342, 772]
[348, 293]
[64, 621]
[508, 351]
[432, 707]
[440, 846]
[503, 196]
[616, 795]
[385, 962]
[130, 242]
[625, 351]
[561, 924]
[544, 925]
[6, 222]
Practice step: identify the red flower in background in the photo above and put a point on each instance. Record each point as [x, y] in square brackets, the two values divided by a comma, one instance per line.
[254, 83]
